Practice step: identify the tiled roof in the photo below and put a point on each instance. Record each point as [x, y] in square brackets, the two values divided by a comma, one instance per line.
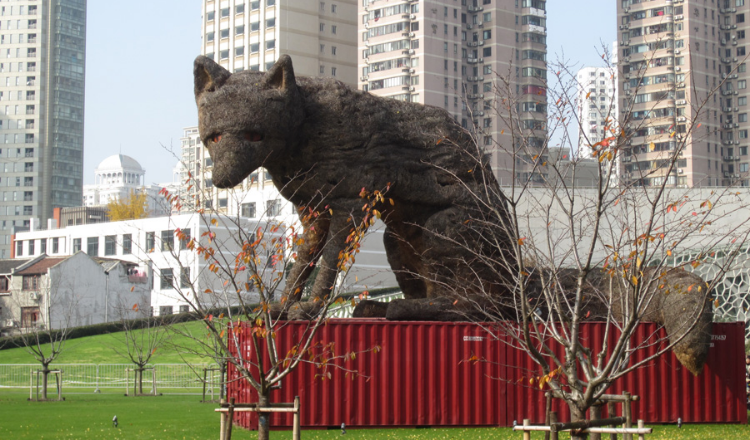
[7, 265]
[42, 266]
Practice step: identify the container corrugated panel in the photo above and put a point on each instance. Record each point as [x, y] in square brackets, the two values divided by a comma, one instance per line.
[423, 377]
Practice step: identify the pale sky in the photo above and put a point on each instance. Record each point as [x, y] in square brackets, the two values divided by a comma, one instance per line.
[139, 61]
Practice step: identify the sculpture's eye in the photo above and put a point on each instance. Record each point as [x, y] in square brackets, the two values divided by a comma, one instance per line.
[216, 138]
[251, 136]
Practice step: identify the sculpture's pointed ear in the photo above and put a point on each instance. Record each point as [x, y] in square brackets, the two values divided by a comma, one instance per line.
[281, 75]
[208, 75]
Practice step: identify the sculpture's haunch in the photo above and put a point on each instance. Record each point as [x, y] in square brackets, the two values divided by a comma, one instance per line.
[322, 142]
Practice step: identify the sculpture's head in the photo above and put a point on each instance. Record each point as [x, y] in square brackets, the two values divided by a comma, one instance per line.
[247, 119]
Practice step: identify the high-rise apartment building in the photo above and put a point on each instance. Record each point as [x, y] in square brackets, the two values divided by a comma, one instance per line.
[42, 72]
[320, 36]
[451, 54]
[684, 76]
[597, 106]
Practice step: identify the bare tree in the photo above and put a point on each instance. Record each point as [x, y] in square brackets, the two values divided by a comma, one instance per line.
[48, 307]
[143, 337]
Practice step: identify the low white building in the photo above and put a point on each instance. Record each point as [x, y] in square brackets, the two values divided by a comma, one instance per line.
[179, 275]
[151, 243]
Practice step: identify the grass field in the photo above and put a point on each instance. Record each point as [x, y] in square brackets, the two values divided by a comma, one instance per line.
[103, 349]
[183, 417]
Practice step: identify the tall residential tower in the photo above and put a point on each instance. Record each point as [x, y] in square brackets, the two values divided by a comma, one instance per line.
[597, 106]
[684, 77]
[320, 36]
[42, 72]
[452, 54]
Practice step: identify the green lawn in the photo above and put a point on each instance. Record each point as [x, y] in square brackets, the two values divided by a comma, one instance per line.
[103, 349]
[175, 417]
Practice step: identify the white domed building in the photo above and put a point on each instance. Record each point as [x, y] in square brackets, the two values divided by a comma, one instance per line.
[117, 177]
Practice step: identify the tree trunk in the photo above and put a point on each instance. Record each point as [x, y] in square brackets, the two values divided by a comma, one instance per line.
[577, 415]
[45, 381]
[139, 374]
[222, 380]
[264, 418]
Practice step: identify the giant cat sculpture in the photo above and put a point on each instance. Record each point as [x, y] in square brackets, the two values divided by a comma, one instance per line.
[322, 142]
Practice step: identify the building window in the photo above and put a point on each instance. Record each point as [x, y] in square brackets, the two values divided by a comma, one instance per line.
[270, 44]
[110, 245]
[43, 246]
[166, 310]
[248, 210]
[30, 282]
[184, 309]
[271, 22]
[185, 238]
[4, 284]
[333, 29]
[150, 241]
[29, 317]
[224, 12]
[127, 244]
[270, 2]
[273, 208]
[32, 249]
[185, 277]
[76, 245]
[55, 245]
[239, 9]
[322, 27]
[239, 30]
[239, 51]
[254, 47]
[92, 246]
[333, 71]
[333, 50]
[167, 238]
[166, 279]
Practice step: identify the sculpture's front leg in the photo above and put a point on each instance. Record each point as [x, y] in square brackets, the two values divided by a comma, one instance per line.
[308, 252]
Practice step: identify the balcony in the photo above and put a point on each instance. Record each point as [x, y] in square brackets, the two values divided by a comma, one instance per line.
[138, 279]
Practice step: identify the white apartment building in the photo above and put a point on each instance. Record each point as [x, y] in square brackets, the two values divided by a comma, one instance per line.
[42, 73]
[597, 106]
[320, 36]
[450, 54]
[683, 66]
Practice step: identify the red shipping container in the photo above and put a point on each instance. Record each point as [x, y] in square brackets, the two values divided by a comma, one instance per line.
[421, 377]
